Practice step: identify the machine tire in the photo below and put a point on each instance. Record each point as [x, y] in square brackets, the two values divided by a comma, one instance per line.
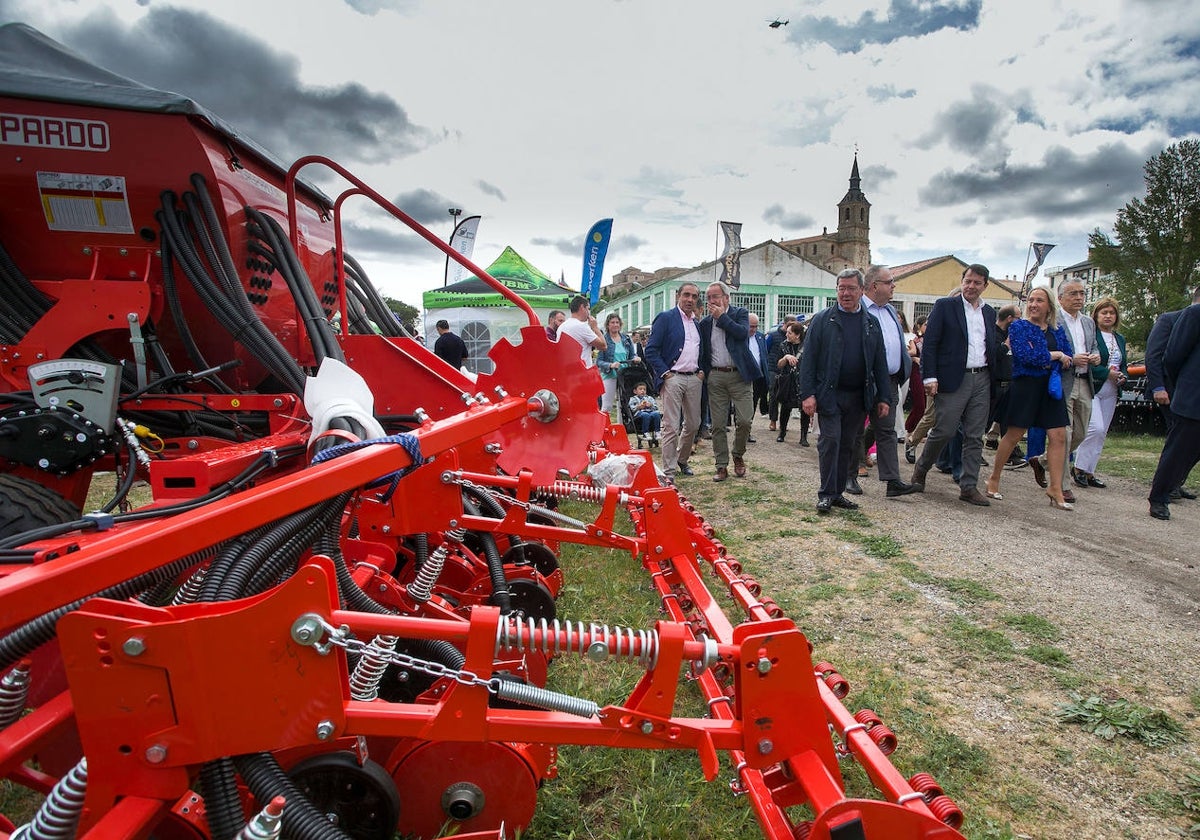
[25, 505]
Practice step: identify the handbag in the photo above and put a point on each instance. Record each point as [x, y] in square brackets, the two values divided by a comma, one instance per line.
[1054, 386]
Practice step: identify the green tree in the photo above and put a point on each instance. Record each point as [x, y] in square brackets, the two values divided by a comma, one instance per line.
[1153, 262]
[406, 312]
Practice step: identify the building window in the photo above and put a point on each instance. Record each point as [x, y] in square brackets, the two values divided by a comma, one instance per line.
[862, 214]
[921, 308]
[756, 303]
[647, 317]
[658, 304]
[795, 305]
[814, 250]
[478, 338]
[624, 313]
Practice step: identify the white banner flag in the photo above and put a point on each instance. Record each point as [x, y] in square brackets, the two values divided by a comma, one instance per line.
[463, 241]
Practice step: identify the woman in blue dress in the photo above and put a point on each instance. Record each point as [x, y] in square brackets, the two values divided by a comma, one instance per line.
[1040, 348]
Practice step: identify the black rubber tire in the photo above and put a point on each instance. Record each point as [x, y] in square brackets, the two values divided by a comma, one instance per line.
[25, 505]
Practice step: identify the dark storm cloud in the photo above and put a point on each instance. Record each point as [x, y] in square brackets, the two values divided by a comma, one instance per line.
[877, 174]
[903, 19]
[882, 93]
[247, 82]
[1062, 183]
[426, 206]
[969, 127]
[491, 189]
[777, 215]
[364, 240]
[573, 247]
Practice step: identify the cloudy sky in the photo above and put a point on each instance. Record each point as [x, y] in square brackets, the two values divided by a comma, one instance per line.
[980, 125]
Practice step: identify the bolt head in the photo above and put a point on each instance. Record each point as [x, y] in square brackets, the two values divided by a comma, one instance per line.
[134, 646]
[764, 665]
[765, 747]
[156, 753]
[647, 727]
[325, 730]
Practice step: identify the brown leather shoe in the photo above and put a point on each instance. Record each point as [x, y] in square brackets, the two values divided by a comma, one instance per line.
[721, 475]
[974, 497]
[739, 467]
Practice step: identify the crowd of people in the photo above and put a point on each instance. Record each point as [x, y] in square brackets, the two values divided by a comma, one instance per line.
[976, 379]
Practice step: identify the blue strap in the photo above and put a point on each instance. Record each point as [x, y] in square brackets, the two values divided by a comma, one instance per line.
[411, 444]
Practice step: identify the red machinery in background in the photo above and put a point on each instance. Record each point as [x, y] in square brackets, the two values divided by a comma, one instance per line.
[361, 540]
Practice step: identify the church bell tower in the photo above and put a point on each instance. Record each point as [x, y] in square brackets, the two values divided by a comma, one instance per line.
[854, 223]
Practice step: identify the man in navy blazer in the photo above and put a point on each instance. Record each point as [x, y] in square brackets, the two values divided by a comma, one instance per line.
[730, 371]
[957, 363]
[759, 351]
[673, 353]
[1181, 451]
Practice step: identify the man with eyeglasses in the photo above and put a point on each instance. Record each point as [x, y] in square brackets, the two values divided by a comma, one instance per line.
[878, 302]
[843, 375]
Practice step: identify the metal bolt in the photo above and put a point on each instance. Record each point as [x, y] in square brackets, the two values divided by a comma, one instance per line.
[278, 403]
[325, 730]
[387, 529]
[193, 444]
[647, 727]
[764, 665]
[134, 646]
[156, 754]
[658, 549]
[44, 463]
[765, 747]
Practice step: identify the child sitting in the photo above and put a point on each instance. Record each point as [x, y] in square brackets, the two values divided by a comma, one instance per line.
[645, 412]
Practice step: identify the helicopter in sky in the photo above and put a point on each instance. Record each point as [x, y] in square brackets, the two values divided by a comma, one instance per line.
[776, 23]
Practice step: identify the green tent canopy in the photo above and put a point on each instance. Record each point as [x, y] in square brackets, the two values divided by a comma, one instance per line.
[511, 269]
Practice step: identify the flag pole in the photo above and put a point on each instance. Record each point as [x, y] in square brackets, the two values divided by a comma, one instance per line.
[1025, 284]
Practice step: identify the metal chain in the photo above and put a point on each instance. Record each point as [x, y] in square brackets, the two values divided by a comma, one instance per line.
[340, 637]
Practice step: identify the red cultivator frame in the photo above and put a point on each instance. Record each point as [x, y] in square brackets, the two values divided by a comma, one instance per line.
[337, 615]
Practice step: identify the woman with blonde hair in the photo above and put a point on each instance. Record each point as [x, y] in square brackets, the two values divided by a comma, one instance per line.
[1106, 380]
[1041, 351]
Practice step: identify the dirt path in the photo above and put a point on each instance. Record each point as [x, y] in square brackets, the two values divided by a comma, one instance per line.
[1122, 589]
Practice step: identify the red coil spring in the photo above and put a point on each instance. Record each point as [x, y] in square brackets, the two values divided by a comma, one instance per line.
[773, 609]
[868, 718]
[884, 738]
[803, 831]
[944, 809]
[754, 587]
[836, 682]
[926, 785]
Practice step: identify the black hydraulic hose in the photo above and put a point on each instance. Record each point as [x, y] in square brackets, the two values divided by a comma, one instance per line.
[496, 511]
[126, 481]
[222, 805]
[501, 596]
[301, 819]
[359, 322]
[439, 650]
[278, 550]
[384, 318]
[171, 293]
[212, 240]
[280, 252]
[250, 332]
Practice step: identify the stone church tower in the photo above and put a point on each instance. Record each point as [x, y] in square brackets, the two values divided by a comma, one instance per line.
[854, 223]
[850, 245]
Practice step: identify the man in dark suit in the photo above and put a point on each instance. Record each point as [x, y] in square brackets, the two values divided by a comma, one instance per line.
[1179, 388]
[673, 353]
[882, 429]
[729, 371]
[957, 362]
[843, 373]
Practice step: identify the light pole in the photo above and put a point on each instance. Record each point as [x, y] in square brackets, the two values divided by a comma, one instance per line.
[455, 212]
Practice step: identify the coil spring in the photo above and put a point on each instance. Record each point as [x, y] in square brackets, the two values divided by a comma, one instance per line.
[59, 815]
[14, 689]
[572, 490]
[364, 682]
[192, 587]
[420, 588]
[836, 682]
[926, 785]
[595, 641]
[944, 809]
[531, 695]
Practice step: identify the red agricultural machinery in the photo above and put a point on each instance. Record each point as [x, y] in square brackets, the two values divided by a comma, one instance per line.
[337, 615]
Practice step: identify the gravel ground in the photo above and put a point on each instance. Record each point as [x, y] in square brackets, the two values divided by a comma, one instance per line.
[1122, 588]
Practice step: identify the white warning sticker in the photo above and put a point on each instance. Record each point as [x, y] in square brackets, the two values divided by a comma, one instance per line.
[85, 203]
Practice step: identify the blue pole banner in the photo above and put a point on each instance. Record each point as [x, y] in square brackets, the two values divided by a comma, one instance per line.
[595, 247]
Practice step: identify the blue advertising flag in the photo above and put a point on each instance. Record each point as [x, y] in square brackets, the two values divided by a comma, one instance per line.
[731, 260]
[595, 247]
